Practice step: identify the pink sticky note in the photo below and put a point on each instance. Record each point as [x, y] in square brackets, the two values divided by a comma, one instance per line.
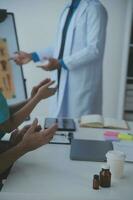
[111, 133]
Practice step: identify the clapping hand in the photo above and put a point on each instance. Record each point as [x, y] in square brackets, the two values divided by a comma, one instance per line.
[45, 90]
[33, 139]
[17, 135]
[36, 88]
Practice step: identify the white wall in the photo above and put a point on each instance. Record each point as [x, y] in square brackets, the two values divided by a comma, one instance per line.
[36, 26]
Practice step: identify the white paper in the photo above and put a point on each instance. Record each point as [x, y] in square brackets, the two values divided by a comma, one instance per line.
[60, 137]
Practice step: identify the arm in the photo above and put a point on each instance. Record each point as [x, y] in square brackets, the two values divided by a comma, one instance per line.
[22, 57]
[14, 108]
[17, 118]
[10, 156]
[31, 141]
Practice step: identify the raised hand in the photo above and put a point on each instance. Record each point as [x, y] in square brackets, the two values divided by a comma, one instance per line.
[46, 91]
[36, 88]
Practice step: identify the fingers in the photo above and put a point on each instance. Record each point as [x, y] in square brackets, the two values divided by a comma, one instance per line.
[50, 60]
[14, 139]
[33, 127]
[53, 90]
[14, 135]
[21, 57]
[47, 135]
[44, 67]
[18, 53]
[38, 128]
[46, 87]
[17, 60]
[50, 131]
[47, 65]
[50, 90]
[49, 83]
[42, 83]
[34, 139]
[13, 57]
[45, 81]
[24, 129]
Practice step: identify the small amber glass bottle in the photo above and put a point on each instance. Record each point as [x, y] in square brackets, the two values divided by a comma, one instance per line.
[105, 176]
[96, 182]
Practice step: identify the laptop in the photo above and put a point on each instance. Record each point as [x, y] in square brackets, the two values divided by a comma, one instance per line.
[89, 150]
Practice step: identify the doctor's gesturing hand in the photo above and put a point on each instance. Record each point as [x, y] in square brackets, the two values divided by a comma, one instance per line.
[52, 64]
[21, 57]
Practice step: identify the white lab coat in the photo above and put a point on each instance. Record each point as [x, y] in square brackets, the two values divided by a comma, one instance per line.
[80, 90]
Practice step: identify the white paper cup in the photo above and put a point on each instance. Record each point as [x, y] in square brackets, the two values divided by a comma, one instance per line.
[116, 161]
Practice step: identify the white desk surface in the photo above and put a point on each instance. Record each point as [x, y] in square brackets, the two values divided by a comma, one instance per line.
[49, 174]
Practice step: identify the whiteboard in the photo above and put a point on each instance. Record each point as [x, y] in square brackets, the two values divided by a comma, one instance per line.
[9, 34]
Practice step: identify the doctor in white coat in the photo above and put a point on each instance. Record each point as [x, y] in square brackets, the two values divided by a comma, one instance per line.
[76, 60]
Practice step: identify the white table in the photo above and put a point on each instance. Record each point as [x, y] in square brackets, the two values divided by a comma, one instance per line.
[49, 172]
